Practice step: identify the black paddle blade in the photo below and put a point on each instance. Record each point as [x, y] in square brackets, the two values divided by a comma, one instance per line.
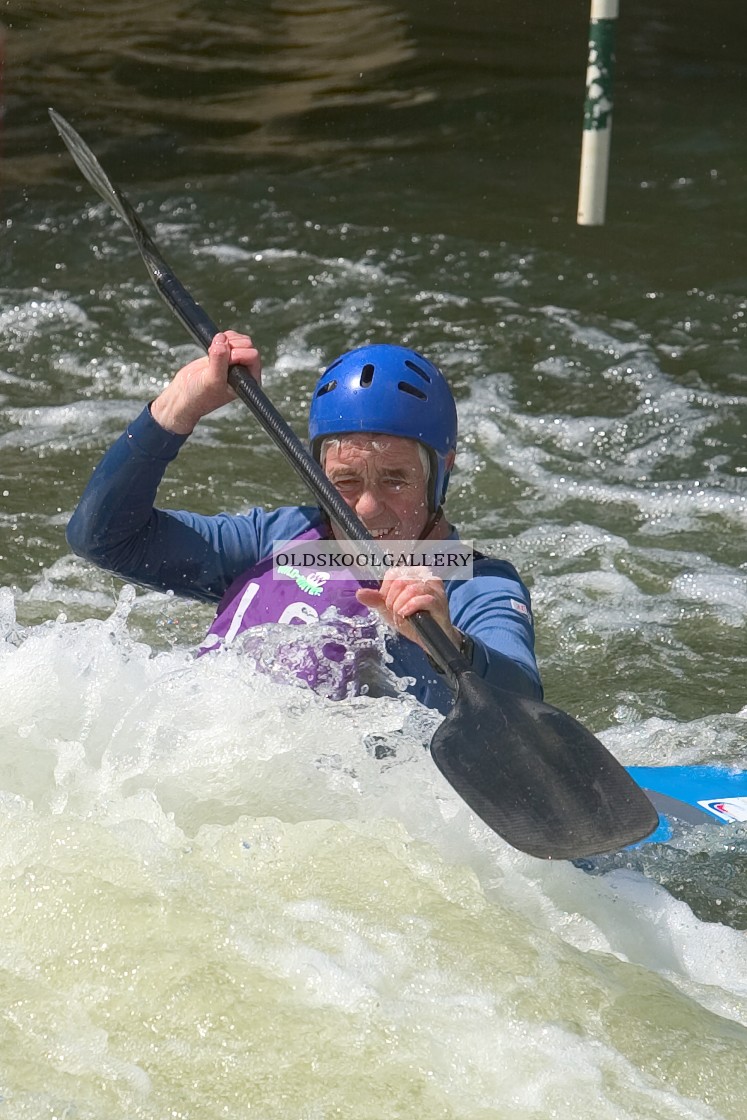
[536, 776]
[90, 167]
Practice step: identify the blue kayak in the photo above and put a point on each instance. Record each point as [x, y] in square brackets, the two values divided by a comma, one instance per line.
[707, 870]
[692, 795]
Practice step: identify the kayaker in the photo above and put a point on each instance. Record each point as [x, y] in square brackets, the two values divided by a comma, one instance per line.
[383, 425]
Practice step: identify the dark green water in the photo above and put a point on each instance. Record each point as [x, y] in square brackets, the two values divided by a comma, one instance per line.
[326, 173]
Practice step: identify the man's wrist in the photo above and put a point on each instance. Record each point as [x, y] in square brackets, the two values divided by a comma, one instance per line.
[170, 419]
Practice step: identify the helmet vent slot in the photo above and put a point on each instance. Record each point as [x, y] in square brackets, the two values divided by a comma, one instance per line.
[418, 369]
[412, 390]
[366, 375]
[326, 388]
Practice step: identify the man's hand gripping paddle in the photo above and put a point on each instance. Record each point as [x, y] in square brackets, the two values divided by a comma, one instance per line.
[535, 775]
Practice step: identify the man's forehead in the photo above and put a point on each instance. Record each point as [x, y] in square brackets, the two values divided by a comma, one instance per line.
[390, 448]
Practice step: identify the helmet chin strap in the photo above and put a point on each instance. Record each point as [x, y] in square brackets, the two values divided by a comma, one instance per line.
[431, 523]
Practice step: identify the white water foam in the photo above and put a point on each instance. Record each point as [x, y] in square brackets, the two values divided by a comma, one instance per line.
[216, 896]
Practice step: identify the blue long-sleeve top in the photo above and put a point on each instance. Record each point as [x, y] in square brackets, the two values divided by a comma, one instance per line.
[118, 527]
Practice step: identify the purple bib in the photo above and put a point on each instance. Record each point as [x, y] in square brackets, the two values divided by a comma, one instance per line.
[268, 593]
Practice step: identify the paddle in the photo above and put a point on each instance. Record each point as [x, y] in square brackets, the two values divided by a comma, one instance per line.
[535, 775]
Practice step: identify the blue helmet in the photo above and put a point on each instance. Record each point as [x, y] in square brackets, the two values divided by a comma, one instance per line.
[392, 391]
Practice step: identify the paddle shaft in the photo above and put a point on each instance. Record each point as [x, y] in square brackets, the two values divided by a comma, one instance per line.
[202, 329]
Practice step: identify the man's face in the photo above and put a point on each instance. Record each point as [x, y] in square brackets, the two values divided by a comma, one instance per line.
[382, 479]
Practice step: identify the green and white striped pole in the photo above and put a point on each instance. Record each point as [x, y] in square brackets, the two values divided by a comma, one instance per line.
[595, 144]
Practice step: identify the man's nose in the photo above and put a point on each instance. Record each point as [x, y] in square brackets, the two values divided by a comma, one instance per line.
[369, 502]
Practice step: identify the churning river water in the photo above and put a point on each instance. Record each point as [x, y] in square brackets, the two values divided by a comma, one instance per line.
[216, 900]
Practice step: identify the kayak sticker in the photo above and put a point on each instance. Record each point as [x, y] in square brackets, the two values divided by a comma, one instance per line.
[727, 808]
